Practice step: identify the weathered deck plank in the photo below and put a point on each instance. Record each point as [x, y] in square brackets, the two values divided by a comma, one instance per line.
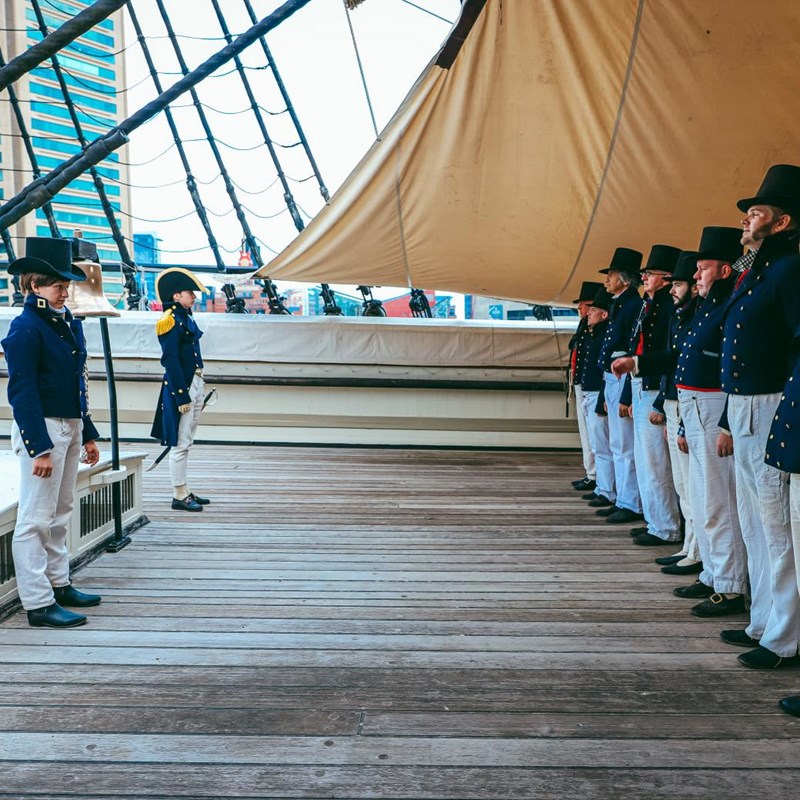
[386, 624]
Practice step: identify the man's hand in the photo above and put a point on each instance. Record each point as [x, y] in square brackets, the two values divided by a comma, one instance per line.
[621, 366]
[625, 411]
[656, 418]
[724, 445]
[43, 466]
[184, 408]
[605, 407]
[683, 445]
[91, 454]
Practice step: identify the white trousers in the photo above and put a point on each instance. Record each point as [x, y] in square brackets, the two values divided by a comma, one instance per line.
[763, 495]
[39, 543]
[597, 427]
[187, 428]
[679, 463]
[794, 508]
[653, 471]
[620, 436]
[583, 431]
[712, 493]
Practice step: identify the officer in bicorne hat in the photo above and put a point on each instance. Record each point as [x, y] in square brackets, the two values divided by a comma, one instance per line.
[52, 430]
[651, 334]
[181, 400]
[577, 348]
[761, 320]
[622, 278]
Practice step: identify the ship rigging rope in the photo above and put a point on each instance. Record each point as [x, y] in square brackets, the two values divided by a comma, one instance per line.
[347, 8]
[428, 11]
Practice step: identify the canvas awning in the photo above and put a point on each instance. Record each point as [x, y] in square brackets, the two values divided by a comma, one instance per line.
[562, 129]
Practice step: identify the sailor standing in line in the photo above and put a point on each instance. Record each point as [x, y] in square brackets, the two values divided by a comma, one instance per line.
[46, 355]
[181, 400]
[761, 320]
[578, 346]
[653, 473]
[622, 276]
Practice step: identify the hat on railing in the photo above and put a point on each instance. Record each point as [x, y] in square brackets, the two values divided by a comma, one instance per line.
[624, 260]
[588, 291]
[47, 256]
[177, 279]
[780, 187]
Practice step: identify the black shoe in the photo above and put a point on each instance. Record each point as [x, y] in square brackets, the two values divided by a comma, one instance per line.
[687, 569]
[591, 496]
[600, 502]
[584, 485]
[666, 561]
[719, 606]
[187, 504]
[203, 501]
[53, 616]
[607, 512]
[649, 540]
[622, 516]
[697, 590]
[638, 531]
[791, 705]
[738, 638]
[69, 596]
[761, 658]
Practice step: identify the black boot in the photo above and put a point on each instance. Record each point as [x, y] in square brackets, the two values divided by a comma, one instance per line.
[69, 596]
[53, 616]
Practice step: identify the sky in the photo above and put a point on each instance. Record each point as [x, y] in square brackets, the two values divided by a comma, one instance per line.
[315, 55]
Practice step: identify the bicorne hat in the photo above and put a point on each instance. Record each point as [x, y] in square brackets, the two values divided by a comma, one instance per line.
[47, 256]
[602, 299]
[686, 267]
[624, 260]
[176, 279]
[663, 257]
[780, 187]
[588, 291]
[720, 244]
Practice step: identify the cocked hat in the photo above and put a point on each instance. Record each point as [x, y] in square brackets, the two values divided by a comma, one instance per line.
[176, 279]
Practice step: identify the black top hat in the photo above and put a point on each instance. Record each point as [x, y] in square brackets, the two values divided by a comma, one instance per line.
[662, 257]
[686, 267]
[602, 299]
[46, 256]
[588, 291]
[174, 280]
[624, 260]
[720, 244]
[780, 187]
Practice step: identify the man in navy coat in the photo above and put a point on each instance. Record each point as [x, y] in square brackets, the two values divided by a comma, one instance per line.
[46, 356]
[181, 400]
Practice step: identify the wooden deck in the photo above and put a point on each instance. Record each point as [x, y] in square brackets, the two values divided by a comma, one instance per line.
[386, 624]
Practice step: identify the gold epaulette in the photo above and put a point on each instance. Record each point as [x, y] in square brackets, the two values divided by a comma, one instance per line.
[166, 323]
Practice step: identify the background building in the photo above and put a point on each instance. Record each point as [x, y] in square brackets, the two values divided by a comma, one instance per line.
[94, 70]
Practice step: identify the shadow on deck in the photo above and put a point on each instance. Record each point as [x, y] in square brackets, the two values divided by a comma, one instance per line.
[386, 624]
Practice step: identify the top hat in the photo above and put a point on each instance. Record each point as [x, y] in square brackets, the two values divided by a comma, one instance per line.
[780, 187]
[720, 244]
[602, 299]
[176, 279]
[624, 260]
[663, 257]
[686, 267]
[588, 291]
[47, 256]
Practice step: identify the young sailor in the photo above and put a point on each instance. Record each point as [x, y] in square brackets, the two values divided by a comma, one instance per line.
[46, 356]
[181, 399]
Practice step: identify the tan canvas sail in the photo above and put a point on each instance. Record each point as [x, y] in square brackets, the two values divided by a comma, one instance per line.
[562, 129]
